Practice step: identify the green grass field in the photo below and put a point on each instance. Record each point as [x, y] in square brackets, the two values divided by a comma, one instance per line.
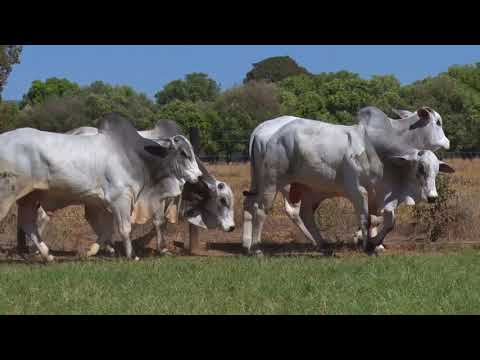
[390, 284]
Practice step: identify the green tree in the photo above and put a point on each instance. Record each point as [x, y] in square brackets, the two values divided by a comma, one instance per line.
[9, 56]
[457, 103]
[8, 115]
[195, 87]
[56, 114]
[102, 98]
[188, 115]
[275, 69]
[84, 106]
[240, 110]
[41, 90]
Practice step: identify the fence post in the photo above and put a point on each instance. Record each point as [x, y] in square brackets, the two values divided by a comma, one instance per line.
[195, 140]
[191, 243]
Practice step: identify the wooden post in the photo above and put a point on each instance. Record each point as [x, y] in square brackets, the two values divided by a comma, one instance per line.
[192, 239]
[194, 235]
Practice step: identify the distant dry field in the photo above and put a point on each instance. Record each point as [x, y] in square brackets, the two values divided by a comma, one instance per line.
[69, 232]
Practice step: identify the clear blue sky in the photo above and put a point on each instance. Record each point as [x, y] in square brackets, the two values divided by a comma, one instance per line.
[148, 68]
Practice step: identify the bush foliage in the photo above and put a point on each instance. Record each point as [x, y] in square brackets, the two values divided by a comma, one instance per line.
[275, 86]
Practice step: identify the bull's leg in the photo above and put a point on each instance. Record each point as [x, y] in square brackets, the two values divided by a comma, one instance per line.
[42, 220]
[101, 222]
[307, 213]
[358, 195]
[159, 221]
[27, 216]
[121, 211]
[248, 207]
[375, 221]
[388, 225]
[293, 212]
[261, 211]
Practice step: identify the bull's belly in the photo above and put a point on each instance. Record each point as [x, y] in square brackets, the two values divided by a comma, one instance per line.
[54, 200]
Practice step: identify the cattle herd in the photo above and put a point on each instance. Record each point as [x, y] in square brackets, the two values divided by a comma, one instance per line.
[125, 177]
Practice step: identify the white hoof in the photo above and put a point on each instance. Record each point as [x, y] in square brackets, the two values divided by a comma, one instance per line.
[136, 258]
[50, 258]
[110, 249]
[380, 248]
[94, 249]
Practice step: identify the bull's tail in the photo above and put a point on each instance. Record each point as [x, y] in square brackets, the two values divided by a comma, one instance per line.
[253, 177]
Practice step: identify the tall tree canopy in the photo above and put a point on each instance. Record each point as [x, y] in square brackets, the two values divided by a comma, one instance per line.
[226, 119]
[9, 56]
[275, 69]
[195, 87]
[53, 87]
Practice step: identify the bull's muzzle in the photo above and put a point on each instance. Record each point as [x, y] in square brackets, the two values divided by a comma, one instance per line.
[432, 199]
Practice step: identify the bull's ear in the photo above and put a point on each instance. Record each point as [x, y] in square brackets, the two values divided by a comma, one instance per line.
[402, 160]
[423, 113]
[402, 113]
[161, 149]
[209, 182]
[197, 221]
[164, 142]
[444, 167]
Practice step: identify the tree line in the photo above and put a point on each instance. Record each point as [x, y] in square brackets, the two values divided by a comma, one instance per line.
[275, 86]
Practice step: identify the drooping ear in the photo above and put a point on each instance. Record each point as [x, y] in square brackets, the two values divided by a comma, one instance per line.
[423, 113]
[165, 142]
[161, 149]
[402, 160]
[444, 167]
[208, 182]
[402, 113]
[197, 220]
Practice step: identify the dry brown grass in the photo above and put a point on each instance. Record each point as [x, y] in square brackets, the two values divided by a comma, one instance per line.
[69, 231]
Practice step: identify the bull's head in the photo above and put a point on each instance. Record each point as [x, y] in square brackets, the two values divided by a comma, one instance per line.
[427, 128]
[180, 155]
[420, 169]
[209, 204]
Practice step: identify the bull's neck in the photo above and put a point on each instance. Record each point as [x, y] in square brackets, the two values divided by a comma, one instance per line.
[404, 132]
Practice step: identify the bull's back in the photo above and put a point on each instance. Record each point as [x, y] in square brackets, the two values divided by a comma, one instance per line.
[58, 161]
[264, 131]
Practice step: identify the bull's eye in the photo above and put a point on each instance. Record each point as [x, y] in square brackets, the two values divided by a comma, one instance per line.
[439, 123]
[176, 140]
[223, 201]
[421, 170]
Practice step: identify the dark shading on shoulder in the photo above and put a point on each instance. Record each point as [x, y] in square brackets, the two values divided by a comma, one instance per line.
[373, 117]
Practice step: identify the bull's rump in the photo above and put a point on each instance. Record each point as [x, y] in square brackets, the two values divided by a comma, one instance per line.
[314, 153]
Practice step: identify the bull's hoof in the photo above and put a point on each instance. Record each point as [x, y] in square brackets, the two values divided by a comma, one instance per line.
[257, 253]
[94, 249]
[164, 252]
[379, 249]
[49, 258]
[252, 252]
[110, 250]
[326, 252]
[245, 251]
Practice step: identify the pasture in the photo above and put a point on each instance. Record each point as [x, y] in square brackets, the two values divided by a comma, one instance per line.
[415, 276]
[390, 284]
